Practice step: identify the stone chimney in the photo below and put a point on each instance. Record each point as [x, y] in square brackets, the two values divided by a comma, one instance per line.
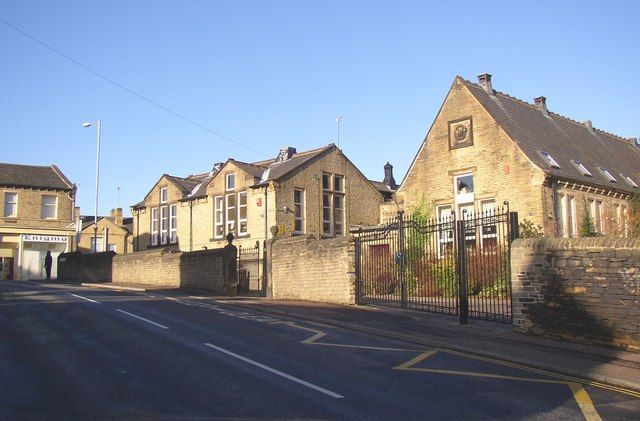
[588, 125]
[541, 104]
[116, 214]
[634, 141]
[388, 177]
[216, 168]
[285, 153]
[484, 80]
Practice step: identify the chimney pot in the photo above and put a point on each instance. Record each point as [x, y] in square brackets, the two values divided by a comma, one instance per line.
[285, 153]
[484, 80]
[541, 104]
[588, 125]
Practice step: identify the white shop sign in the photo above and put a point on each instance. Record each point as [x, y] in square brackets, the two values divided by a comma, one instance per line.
[44, 238]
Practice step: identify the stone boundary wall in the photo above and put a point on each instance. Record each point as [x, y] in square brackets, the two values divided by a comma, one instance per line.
[203, 269]
[305, 268]
[582, 289]
[95, 267]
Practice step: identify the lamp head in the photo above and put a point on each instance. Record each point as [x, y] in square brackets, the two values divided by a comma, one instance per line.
[86, 124]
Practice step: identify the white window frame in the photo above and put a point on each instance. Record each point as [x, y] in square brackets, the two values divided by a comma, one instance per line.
[547, 157]
[462, 198]
[96, 243]
[218, 216]
[112, 247]
[299, 211]
[444, 237]
[230, 225]
[629, 180]
[487, 213]
[230, 186]
[173, 223]
[607, 175]
[164, 224]
[164, 195]
[154, 226]
[336, 228]
[13, 203]
[567, 215]
[595, 213]
[242, 231]
[583, 170]
[44, 206]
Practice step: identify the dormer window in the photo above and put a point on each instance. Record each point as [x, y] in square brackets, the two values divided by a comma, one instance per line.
[583, 170]
[608, 175]
[552, 162]
[629, 180]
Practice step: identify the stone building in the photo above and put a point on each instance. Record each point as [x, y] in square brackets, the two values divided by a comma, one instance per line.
[486, 147]
[317, 192]
[38, 216]
[113, 234]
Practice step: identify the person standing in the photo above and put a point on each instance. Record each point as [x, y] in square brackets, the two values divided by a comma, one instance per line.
[48, 260]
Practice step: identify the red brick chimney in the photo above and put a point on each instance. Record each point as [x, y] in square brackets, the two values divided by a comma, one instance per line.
[541, 104]
[484, 80]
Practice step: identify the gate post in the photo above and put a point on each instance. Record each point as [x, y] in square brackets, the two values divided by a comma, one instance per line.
[358, 262]
[461, 269]
[402, 260]
[514, 227]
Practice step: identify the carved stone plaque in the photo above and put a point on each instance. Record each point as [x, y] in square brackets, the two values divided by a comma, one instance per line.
[460, 133]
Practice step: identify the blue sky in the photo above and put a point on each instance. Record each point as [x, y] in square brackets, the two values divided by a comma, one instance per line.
[272, 73]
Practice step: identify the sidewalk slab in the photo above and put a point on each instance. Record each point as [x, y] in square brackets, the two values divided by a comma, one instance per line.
[478, 338]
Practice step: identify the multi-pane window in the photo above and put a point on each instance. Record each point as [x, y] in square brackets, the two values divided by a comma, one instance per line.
[173, 223]
[332, 204]
[231, 212]
[466, 212]
[595, 213]
[96, 245]
[298, 211]
[164, 224]
[489, 229]
[218, 217]
[445, 236]
[10, 205]
[154, 226]
[566, 219]
[230, 182]
[463, 188]
[164, 195]
[242, 213]
[49, 206]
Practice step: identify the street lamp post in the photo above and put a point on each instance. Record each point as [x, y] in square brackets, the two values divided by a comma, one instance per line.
[95, 215]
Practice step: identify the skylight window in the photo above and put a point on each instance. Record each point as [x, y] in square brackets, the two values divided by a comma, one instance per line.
[629, 180]
[608, 175]
[583, 170]
[552, 162]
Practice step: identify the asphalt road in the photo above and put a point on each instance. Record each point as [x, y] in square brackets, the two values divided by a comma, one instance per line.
[71, 352]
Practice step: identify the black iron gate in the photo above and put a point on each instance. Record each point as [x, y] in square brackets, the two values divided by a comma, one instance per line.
[251, 270]
[459, 267]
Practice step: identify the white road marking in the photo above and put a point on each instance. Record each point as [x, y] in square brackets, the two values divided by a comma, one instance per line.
[143, 319]
[84, 298]
[278, 372]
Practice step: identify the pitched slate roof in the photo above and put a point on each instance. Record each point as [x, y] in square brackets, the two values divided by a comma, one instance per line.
[33, 176]
[565, 140]
[385, 190]
[276, 170]
[185, 184]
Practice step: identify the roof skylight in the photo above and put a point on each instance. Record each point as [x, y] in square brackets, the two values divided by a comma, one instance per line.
[629, 180]
[552, 162]
[608, 175]
[583, 170]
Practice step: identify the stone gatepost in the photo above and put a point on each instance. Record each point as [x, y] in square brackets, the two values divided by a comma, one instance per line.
[230, 267]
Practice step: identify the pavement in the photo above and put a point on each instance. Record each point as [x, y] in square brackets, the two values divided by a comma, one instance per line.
[485, 339]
